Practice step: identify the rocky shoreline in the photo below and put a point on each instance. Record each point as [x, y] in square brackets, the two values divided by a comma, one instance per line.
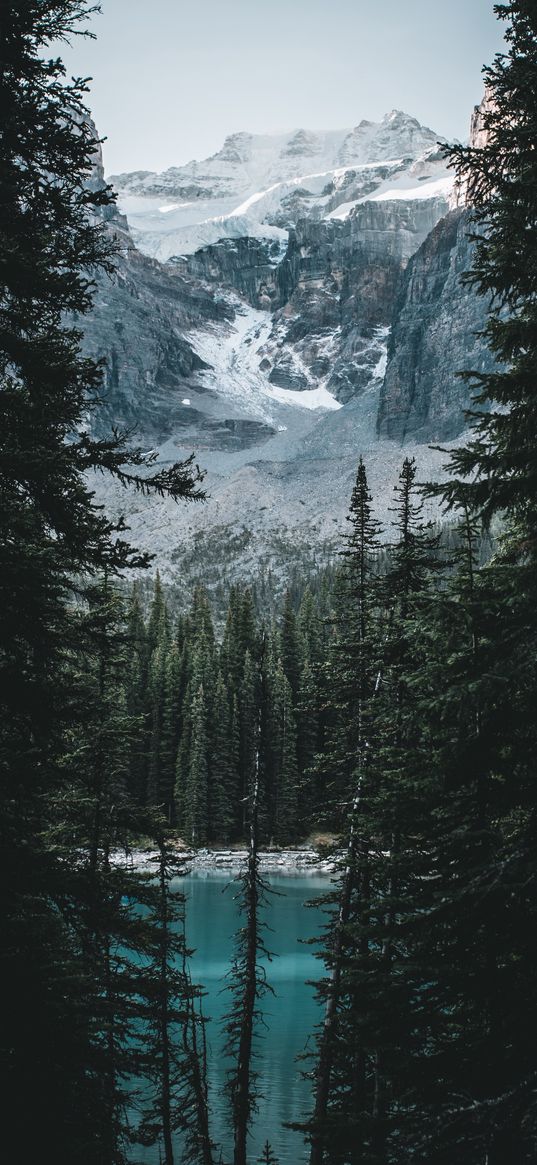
[271, 861]
[291, 862]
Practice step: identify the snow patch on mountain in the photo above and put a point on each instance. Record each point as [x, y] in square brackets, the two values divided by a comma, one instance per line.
[234, 353]
[231, 351]
[184, 238]
[259, 185]
[403, 188]
[308, 398]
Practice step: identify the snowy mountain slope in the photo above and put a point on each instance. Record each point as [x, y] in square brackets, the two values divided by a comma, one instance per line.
[278, 508]
[311, 303]
[234, 354]
[259, 160]
[260, 185]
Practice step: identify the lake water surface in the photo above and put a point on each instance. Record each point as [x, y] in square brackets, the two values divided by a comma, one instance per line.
[290, 1014]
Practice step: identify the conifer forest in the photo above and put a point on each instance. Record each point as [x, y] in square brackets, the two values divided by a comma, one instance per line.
[378, 710]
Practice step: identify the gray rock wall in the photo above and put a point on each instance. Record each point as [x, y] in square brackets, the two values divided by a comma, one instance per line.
[248, 266]
[332, 298]
[137, 328]
[435, 335]
[339, 283]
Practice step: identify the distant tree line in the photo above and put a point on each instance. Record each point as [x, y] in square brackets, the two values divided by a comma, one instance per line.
[195, 693]
[197, 704]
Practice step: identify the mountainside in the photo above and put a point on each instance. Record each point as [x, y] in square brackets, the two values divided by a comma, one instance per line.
[333, 328]
[435, 336]
[260, 185]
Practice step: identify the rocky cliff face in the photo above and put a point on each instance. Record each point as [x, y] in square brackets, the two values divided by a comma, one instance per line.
[335, 329]
[339, 283]
[152, 382]
[331, 297]
[436, 327]
[137, 326]
[249, 266]
[435, 336]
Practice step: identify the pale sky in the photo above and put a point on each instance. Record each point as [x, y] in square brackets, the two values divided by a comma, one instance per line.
[172, 78]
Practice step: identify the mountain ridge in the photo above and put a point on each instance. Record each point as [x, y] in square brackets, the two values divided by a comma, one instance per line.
[281, 357]
[260, 185]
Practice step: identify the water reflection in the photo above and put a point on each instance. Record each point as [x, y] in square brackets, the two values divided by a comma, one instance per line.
[290, 1015]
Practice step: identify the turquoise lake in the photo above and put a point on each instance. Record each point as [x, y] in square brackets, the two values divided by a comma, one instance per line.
[291, 1014]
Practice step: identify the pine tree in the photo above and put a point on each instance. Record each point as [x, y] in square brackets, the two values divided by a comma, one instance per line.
[376, 749]
[308, 743]
[283, 751]
[291, 646]
[156, 699]
[224, 777]
[182, 768]
[494, 477]
[352, 673]
[53, 239]
[309, 710]
[158, 624]
[194, 724]
[354, 681]
[309, 627]
[170, 1054]
[136, 696]
[239, 634]
[267, 1156]
[248, 982]
[171, 727]
[97, 819]
[248, 712]
[195, 813]
[235, 764]
[500, 175]
[400, 801]
[246, 625]
[449, 959]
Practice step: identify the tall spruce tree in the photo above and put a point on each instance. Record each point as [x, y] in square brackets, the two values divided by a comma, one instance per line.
[451, 930]
[399, 809]
[224, 774]
[52, 239]
[283, 745]
[375, 749]
[92, 817]
[247, 977]
[170, 1039]
[136, 695]
[195, 813]
[291, 646]
[494, 477]
[333, 1126]
[249, 697]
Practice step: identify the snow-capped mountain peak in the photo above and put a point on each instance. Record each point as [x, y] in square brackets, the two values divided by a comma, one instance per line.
[397, 136]
[261, 184]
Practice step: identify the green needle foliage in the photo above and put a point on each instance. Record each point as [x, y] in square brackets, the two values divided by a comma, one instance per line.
[196, 705]
[247, 977]
[52, 240]
[431, 957]
[492, 810]
[172, 1051]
